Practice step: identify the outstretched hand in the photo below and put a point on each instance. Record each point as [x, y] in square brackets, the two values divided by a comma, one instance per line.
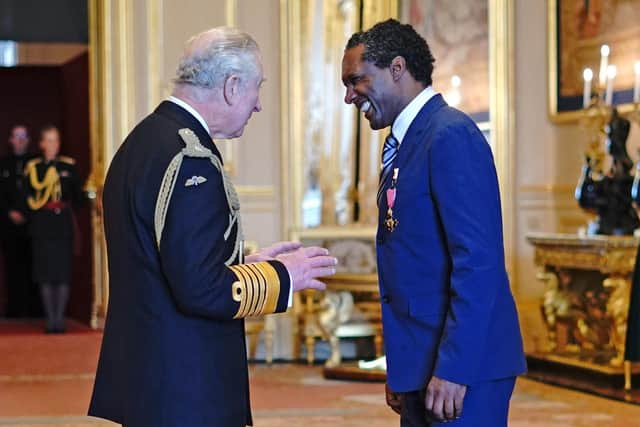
[271, 252]
[305, 265]
[444, 399]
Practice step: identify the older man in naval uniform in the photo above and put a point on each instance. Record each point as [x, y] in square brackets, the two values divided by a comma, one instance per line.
[174, 351]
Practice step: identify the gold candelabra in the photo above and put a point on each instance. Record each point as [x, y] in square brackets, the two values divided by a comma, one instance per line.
[594, 121]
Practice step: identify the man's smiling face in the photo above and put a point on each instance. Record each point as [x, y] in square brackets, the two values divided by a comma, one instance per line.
[369, 88]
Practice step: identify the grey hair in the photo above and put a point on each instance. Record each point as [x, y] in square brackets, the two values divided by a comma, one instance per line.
[209, 61]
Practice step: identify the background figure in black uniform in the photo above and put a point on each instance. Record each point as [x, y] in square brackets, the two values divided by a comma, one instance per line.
[16, 244]
[53, 188]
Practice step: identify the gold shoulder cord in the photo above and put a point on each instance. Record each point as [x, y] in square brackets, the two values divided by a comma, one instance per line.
[47, 190]
[193, 148]
[258, 286]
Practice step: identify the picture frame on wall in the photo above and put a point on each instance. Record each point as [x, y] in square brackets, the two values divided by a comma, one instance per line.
[458, 36]
[577, 31]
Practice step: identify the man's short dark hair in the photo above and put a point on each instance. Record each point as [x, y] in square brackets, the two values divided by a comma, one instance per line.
[388, 39]
[47, 128]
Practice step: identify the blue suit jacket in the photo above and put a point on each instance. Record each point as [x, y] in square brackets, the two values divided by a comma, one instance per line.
[172, 355]
[446, 303]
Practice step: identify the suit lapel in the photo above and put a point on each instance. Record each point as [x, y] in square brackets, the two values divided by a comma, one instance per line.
[411, 140]
[418, 126]
[186, 119]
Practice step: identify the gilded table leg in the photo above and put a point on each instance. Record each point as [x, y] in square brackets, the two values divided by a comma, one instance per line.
[377, 342]
[311, 343]
[269, 328]
[552, 305]
[618, 310]
[309, 322]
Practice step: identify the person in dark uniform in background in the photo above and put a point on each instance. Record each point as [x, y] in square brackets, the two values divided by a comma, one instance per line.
[174, 351]
[53, 189]
[16, 244]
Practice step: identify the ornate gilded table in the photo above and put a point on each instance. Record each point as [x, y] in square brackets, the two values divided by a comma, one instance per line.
[586, 299]
[322, 317]
[324, 313]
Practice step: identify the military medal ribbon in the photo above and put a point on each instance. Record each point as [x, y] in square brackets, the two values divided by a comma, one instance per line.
[391, 222]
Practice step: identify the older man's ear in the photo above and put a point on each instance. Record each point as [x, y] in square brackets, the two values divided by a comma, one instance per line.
[231, 90]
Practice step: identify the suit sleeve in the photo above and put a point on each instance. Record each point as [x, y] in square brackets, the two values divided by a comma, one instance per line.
[193, 251]
[464, 186]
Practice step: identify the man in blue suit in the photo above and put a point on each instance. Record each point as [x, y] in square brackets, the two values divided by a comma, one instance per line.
[173, 353]
[452, 338]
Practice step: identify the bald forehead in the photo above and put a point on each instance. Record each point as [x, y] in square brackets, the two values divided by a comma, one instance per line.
[202, 41]
[219, 38]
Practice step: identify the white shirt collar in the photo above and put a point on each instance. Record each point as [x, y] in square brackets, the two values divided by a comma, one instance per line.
[191, 110]
[406, 116]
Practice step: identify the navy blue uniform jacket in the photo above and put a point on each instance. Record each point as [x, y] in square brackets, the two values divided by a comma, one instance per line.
[446, 304]
[173, 355]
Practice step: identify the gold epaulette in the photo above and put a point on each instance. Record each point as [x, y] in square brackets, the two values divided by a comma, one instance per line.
[68, 160]
[257, 289]
[194, 149]
[31, 163]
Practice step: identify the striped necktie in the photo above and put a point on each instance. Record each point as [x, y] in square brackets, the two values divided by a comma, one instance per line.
[389, 154]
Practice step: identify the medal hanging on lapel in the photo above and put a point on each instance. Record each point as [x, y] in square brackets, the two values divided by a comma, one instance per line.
[390, 222]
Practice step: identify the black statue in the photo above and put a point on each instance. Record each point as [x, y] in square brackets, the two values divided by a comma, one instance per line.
[610, 196]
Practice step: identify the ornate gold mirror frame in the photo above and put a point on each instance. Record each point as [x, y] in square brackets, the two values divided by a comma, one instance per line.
[296, 120]
[98, 98]
[113, 107]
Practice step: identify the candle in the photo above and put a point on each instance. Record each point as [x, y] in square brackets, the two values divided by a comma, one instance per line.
[636, 86]
[587, 74]
[455, 94]
[604, 61]
[611, 74]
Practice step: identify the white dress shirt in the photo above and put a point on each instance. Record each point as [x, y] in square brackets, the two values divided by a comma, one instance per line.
[409, 113]
[191, 111]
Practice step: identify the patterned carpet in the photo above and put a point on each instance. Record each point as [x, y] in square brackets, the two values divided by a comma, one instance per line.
[46, 381]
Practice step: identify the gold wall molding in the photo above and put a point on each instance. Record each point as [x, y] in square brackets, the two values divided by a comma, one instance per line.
[502, 113]
[550, 204]
[378, 10]
[255, 190]
[290, 121]
[100, 101]
[544, 188]
[230, 146]
[126, 84]
[231, 12]
[334, 232]
[112, 112]
[155, 46]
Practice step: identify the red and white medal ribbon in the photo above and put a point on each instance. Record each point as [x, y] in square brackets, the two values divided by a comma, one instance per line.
[390, 222]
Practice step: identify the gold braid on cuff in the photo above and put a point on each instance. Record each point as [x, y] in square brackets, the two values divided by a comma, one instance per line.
[257, 289]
